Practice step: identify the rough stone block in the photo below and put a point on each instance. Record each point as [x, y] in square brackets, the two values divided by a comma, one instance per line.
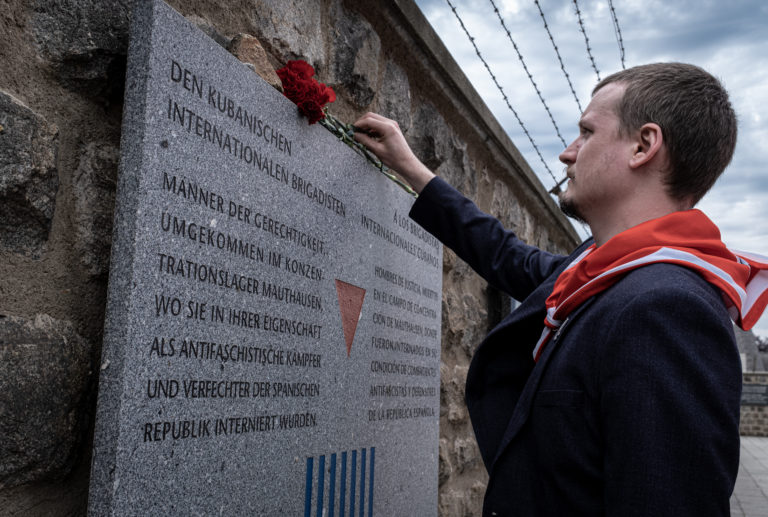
[463, 311]
[394, 96]
[477, 492]
[466, 453]
[458, 171]
[457, 413]
[44, 373]
[28, 176]
[290, 30]
[474, 311]
[82, 38]
[459, 378]
[433, 141]
[446, 468]
[458, 503]
[438, 147]
[356, 56]
[505, 206]
[94, 191]
[210, 30]
[248, 49]
[454, 318]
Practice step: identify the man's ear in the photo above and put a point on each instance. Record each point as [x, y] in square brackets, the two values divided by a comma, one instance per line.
[648, 143]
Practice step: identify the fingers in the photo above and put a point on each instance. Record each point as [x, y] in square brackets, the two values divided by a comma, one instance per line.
[367, 140]
[375, 117]
[363, 136]
[384, 138]
[377, 125]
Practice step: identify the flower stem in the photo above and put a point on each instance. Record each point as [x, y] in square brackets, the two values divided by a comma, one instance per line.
[345, 133]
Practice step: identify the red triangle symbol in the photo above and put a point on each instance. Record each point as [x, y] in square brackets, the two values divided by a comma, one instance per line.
[350, 304]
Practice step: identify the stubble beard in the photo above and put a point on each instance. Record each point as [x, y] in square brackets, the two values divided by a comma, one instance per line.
[569, 207]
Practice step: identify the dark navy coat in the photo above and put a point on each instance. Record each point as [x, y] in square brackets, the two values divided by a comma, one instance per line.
[633, 407]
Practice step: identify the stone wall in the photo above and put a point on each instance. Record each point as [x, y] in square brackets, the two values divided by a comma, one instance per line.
[754, 419]
[61, 89]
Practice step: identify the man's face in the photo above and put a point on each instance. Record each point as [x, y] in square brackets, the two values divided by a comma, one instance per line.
[597, 159]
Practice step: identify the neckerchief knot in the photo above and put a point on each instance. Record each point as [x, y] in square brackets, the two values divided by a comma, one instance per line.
[687, 238]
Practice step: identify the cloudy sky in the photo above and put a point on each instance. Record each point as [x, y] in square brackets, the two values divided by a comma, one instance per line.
[729, 39]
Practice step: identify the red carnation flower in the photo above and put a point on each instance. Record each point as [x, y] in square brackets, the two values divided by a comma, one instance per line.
[304, 91]
[312, 110]
[301, 68]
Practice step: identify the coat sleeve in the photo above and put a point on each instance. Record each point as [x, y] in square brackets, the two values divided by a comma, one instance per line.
[480, 240]
[670, 384]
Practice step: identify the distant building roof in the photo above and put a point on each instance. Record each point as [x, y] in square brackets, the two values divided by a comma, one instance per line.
[752, 359]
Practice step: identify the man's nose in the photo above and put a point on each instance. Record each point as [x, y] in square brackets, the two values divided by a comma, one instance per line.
[568, 156]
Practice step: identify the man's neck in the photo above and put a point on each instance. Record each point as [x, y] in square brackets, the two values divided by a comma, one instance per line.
[611, 223]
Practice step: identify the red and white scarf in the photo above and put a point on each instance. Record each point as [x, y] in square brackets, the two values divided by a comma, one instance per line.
[686, 238]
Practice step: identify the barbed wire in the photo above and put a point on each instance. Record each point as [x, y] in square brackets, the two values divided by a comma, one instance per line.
[528, 73]
[504, 95]
[556, 189]
[617, 31]
[560, 59]
[586, 39]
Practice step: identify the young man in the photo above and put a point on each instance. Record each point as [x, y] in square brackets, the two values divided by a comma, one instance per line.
[614, 387]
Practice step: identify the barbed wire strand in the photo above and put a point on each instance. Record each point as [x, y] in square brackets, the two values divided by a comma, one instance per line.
[528, 73]
[586, 39]
[560, 59]
[504, 95]
[617, 31]
[556, 189]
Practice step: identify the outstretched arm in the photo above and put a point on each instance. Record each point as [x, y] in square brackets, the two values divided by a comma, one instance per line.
[478, 238]
[383, 136]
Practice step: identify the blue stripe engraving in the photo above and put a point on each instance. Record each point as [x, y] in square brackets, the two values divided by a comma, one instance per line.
[332, 487]
[370, 485]
[362, 483]
[320, 485]
[308, 490]
[343, 489]
[353, 480]
[327, 507]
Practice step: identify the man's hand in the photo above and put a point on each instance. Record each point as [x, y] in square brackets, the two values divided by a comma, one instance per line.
[384, 138]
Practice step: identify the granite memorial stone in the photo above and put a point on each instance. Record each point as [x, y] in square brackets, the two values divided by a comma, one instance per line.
[272, 339]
